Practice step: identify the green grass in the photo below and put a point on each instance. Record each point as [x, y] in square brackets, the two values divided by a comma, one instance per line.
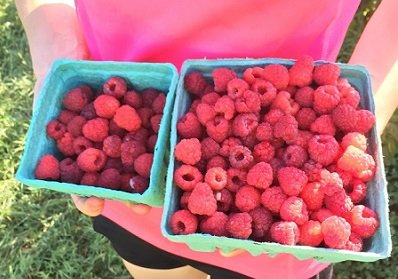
[42, 235]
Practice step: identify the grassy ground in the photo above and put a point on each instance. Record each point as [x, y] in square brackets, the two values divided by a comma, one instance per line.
[42, 235]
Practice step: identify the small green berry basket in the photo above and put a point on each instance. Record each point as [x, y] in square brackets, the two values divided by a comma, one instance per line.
[67, 74]
[378, 247]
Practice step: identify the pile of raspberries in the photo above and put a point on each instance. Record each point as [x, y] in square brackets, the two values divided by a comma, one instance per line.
[107, 138]
[276, 155]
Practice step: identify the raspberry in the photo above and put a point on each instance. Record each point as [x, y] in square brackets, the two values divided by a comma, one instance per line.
[216, 178]
[205, 113]
[225, 107]
[260, 175]
[221, 78]
[363, 221]
[313, 194]
[339, 203]
[292, 180]
[75, 100]
[264, 132]
[155, 122]
[236, 179]
[343, 83]
[89, 178]
[80, 144]
[286, 127]
[211, 98]
[273, 116]
[110, 179]
[356, 139]
[47, 168]
[358, 191]
[127, 118]
[152, 143]
[75, 125]
[88, 111]
[55, 129]
[326, 98]
[300, 74]
[133, 99]
[96, 129]
[138, 184]
[240, 157]
[305, 117]
[326, 74]
[129, 151]
[140, 136]
[324, 125]
[145, 115]
[202, 201]
[336, 232]
[354, 243]
[302, 139]
[69, 171]
[295, 156]
[217, 161]
[366, 120]
[149, 95]
[358, 163]
[143, 164]
[239, 225]
[188, 151]
[323, 149]
[111, 146]
[106, 106]
[215, 224]
[186, 177]
[261, 223]
[184, 200]
[305, 97]
[159, 103]
[195, 83]
[247, 198]
[116, 87]
[277, 74]
[236, 87]
[263, 151]
[346, 177]
[224, 200]
[284, 102]
[345, 118]
[183, 222]
[91, 160]
[349, 96]
[272, 198]
[210, 148]
[250, 75]
[218, 129]
[114, 129]
[227, 145]
[311, 233]
[321, 214]
[331, 182]
[286, 233]
[244, 124]
[65, 116]
[114, 163]
[65, 144]
[189, 126]
[249, 102]
[276, 165]
[265, 90]
[294, 209]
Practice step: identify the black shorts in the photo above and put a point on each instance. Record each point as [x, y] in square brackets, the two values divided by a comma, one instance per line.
[146, 255]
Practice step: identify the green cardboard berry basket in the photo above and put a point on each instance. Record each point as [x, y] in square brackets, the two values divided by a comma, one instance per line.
[66, 74]
[378, 247]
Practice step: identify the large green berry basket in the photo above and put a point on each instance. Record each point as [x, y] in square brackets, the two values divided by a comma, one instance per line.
[66, 74]
[378, 247]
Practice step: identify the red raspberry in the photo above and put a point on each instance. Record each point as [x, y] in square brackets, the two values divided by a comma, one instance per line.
[210, 148]
[277, 74]
[302, 139]
[89, 178]
[326, 98]
[272, 198]
[284, 102]
[323, 149]
[205, 113]
[138, 184]
[247, 198]
[286, 128]
[106, 106]
[91, 160]
[80, 144]
[133, 99]
[340, 203]
[356, 139]
[145, 115]
[305, 117]
[240, 157]
[202, 201]
[140, 136]
[216, 178]
[358, 163]
[218, 129]
[65, 116]
[263, 151]
[114, 163]
[311, 233]
[195, 83]
[295, 156]
[313, 194]
[331, 182]
[69, 171]
[343, 83]
[249, 102]
[260, 175]
[184, 200]
[321, 214]
[265, 90]
[227, 145]
[110, 179]
[324, 125]
[345, 118]
[129, 151]
[217, 161]
[215, 224]
[159, 103]
[55, 129]
[354, 243]
[358, 191]
[286, 233]
[250, 75]
[149, 95]
[236, 179]
[264, 132]
[152, 143]
[47, 168]
[143, 164]
[75, 99]
[96, 129]
[276, 165]
[300, 74]
[346, 177]
[363, 221]
[292, 180]
[210, 99]
[116, 87]
[244, 124]
[294, 209]
[88, 111]
[305, 97]
[186, 177]
[75, 125]
[225, 107]
[111, 146]
[189, 126]
[114, 129]
[261, 223]
[127, 118]
[273, 116]
[155, 122]
[183, 222]
[236, 87]
[188, 151]
[221, 78]
[349, 96]
[224, 200]
[65, 144]
[336, 232]
[326, 74]
[366, 120]
[239, 225]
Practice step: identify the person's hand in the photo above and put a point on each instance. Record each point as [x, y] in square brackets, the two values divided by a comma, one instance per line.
[233, 253]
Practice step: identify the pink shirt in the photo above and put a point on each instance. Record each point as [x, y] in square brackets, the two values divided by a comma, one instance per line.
[173, 31]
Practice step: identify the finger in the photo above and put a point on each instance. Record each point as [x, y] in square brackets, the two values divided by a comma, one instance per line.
[139, 208]
[91, 206]
[233, 253]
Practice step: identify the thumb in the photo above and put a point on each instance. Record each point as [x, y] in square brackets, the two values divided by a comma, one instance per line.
[91, 206]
